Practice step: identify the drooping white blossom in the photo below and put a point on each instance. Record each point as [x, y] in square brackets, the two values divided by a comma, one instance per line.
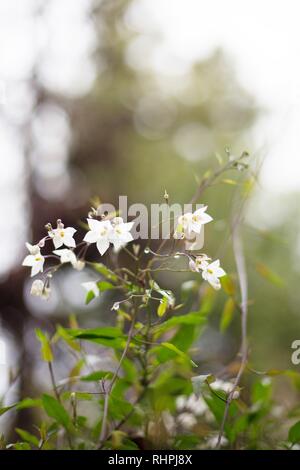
[35, 259]
[66, 255]
[116, 306]
[91, 286]
[212, 272]
[120, 234]
[62, 236]
[99, 233]
[39, 289]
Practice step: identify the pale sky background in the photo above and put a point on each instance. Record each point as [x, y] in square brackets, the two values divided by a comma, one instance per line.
[262, 38]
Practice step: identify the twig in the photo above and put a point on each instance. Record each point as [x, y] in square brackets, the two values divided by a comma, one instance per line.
[57, 395]
[111, 384]
[242, 277]
[54, 386]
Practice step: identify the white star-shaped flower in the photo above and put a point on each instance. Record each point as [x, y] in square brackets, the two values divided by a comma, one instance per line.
[35, 259]
[63, 236]
[120, 234]
[192, 222]
[99, 233]
[212, 273]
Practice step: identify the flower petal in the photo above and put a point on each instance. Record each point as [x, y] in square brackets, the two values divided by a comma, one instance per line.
[102, 245]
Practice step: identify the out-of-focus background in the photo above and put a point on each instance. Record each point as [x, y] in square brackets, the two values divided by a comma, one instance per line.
[131, 97]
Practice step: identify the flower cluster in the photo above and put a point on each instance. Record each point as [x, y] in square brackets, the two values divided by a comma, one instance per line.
[190, 224]
[211, 272]
[103, 233]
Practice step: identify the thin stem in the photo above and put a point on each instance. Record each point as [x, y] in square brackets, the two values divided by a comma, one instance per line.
[108, 391]
[57, 396]
[242, 278]
[54, 386]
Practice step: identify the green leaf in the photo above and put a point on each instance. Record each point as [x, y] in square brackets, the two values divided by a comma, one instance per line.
[28, 437]
[294, 433]
[193, 318]
[46, 351]
[19, 446]
[89, 297]
[228, 285]
[96, 376]
[107, 273]
[81, 396]
[162, 307]
[178, 352]
[29, 403]
[104, 285]
[7, 408]
[107, 336]
[63, 334]
[269, 275]
[55, 410]
[229, 181]
[227, 314]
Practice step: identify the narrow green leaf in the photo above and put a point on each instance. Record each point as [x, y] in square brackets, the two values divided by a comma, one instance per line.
[294, 433]
[269, 275]
[89, 297]
[55, 410]
[227, 314]
[46, 351]
[162, 307]
[181, 354]
[28, 437]
[7, 408]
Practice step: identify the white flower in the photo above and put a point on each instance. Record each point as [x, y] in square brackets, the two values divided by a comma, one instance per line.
[116, 306]
[35, 259]
[66, 256]
[212, 273]
[192, 222]
[91, 286]
[196, 405]
[120, 234]
[200, 262]
[99, 233]
[62, 236]
[187, 420]
[181, 402]
[169, 422]
[38, 289]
